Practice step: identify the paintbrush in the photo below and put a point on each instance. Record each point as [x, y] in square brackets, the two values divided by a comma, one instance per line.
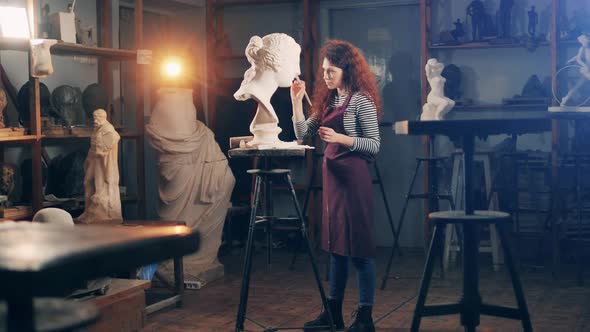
[304, 91]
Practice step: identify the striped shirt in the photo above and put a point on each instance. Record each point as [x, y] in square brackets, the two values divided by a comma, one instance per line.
[360, 122]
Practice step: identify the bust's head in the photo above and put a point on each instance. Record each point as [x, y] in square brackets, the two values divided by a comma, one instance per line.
[584, 40]
[435, 67]
[277, 53]
[100, 117]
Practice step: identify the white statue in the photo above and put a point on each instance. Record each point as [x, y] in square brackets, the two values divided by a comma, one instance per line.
[41, 65]
[583, 60]
[437, 105]
[275, 63]
[195, 182]
[102, 198]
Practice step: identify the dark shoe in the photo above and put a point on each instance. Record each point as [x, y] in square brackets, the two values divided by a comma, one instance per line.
[363, 322]
[322, 322]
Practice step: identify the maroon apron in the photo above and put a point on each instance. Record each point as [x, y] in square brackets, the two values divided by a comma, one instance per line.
[347, 225]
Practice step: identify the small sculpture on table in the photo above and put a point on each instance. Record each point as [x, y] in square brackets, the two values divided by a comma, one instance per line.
[275, 63]
[437, 105]
[533, 21]
[102, 199]
[582, 60]
[3, 105]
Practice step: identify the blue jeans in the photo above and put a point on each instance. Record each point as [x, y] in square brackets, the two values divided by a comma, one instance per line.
[365, 268]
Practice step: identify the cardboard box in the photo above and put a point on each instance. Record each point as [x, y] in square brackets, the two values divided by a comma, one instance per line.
[63, 26]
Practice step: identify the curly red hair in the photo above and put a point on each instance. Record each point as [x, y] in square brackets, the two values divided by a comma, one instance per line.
[356, 76]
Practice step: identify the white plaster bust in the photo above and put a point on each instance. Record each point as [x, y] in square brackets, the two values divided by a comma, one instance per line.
[437, 105]
[275, 63]
[41, 65]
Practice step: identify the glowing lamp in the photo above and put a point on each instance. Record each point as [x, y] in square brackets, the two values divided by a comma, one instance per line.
[14, 23]
[172, 68]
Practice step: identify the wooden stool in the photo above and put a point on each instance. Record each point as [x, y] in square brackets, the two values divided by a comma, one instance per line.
[266, 178]
[471, 306]
[452, 236]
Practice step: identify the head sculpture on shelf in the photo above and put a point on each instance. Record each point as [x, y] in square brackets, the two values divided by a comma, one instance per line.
[67, 103]
[6, 179]
[275, 63]
[94, 97]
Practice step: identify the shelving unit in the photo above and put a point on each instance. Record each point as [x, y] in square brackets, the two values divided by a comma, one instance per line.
[105, 54]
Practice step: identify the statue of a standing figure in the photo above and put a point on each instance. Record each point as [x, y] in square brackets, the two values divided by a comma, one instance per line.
[533, 21]
[582, 58]
[505, 18]
[102, 199]
[3, 105]
[477, 12]
[275, 63]
[437, 105]
[195, 182]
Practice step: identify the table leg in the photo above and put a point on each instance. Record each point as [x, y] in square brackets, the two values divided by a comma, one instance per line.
[471, 298]
[20, 314]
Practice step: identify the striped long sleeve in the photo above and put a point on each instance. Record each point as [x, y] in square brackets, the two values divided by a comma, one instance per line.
[368, 140]
[306, 128]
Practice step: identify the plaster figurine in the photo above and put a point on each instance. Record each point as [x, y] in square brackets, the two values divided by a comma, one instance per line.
[533, 21]
[275, 63]
[3, 105]
[41, 65]
[583, 60]
[459, 31]
[477, 13]
[505, 18]
[102, 199]
[195, 182]
[437, 105]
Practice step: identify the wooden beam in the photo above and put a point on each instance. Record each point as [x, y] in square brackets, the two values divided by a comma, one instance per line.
[104, 10]
[211, 64]
[139, 111]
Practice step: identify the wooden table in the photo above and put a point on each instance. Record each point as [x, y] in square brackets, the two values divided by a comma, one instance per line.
[40, 260]
[467, 130]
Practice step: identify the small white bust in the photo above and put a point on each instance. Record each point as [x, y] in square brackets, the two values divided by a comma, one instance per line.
[275, 63]
[41, 65]
[437, 105]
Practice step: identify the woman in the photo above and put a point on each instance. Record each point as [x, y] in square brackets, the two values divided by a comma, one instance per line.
[345, 116]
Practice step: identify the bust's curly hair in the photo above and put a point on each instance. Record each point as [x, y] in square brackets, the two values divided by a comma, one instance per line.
[356, 76]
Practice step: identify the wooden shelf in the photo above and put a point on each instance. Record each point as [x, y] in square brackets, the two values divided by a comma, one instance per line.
[501, 107]
[18, 139]
[63, 48]
[483, 45]
[61, 137]
[228, 3]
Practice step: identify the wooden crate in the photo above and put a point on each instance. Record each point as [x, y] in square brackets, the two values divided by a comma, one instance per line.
[122, 309]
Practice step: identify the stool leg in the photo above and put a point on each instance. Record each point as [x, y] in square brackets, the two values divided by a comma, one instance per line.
[427, 276]
[310, 251]
[178, 279]
[248, 260]
[516, 285]
[400, 224]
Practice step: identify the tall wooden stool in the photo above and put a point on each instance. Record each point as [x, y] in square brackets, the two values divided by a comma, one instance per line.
[470, 306]
[432, 195]
[452, 237]
[268, 177]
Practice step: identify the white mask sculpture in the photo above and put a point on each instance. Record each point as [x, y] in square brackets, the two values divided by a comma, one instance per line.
[582, 59]
[102, 198]
[195, 182]
[437, 105]
[275, 63]
[41, 65]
